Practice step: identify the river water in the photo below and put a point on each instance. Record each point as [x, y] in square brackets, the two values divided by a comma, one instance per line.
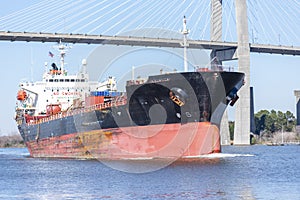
[249, 172]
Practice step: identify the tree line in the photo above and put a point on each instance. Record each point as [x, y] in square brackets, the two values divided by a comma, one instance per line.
[11, 141]
[269, 122]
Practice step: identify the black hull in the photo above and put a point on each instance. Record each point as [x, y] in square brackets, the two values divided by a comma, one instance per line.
[163, 99]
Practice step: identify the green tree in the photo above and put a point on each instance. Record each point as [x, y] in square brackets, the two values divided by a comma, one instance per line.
[231, 129]
[274, 121]
[260, 119]
[291, 121]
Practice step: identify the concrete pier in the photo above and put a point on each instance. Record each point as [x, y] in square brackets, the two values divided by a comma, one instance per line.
[242, 115]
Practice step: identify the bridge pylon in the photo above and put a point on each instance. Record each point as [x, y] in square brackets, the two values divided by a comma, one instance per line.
[216, 35]
[242, 114]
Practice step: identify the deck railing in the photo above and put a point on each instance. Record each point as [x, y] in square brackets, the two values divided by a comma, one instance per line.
[101, 106]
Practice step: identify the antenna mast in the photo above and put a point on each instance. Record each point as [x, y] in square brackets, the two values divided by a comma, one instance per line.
[61, 48]
[185, 44]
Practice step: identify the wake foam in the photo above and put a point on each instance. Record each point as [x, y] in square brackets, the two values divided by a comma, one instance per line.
[221, 155]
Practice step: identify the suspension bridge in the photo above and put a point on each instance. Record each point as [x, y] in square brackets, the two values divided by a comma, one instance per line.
[141, 41]
[225, 27]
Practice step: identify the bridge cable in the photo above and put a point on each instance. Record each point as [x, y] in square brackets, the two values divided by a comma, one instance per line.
[32, 18]
[67, 17]
[208, 19]
[129, 17]
[105, 14]
[57, 16]
[20, 17]
[87, 10]
[197, 24]
[110, 4]
[111, 18]
[139, 16]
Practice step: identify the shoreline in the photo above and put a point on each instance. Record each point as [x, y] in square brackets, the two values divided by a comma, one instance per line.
[11, 141]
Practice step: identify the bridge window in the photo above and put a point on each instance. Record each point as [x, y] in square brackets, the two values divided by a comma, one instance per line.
[50, 80]
[61, 80]
[67, 80]
[55, 80]
[72, 80]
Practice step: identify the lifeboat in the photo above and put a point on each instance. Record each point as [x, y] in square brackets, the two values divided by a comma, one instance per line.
[53, 109]
[55, 72]
[22, 95]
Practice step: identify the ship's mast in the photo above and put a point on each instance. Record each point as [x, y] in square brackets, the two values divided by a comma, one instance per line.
[185, 44]
[61, 48]
[84, 64]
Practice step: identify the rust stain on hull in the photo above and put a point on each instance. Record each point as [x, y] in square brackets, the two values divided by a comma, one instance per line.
[156, 141]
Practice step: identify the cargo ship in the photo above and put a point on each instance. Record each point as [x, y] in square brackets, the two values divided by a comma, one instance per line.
[164, 116]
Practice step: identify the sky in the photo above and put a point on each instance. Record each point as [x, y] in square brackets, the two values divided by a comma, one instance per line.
[274, 77]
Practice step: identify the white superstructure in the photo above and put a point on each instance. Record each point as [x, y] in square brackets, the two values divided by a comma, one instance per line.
[59, 88]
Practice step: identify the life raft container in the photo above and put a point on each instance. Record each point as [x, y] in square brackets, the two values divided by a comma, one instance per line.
[22, 95]
[53, 109]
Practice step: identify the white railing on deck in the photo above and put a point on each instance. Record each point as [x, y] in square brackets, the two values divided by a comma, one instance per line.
[101, 106]
[219, 68]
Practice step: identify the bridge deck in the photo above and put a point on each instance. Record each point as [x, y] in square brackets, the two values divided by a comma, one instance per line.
[141, 41]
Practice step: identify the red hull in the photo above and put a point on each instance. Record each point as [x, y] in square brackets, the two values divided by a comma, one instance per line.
[142, 142]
